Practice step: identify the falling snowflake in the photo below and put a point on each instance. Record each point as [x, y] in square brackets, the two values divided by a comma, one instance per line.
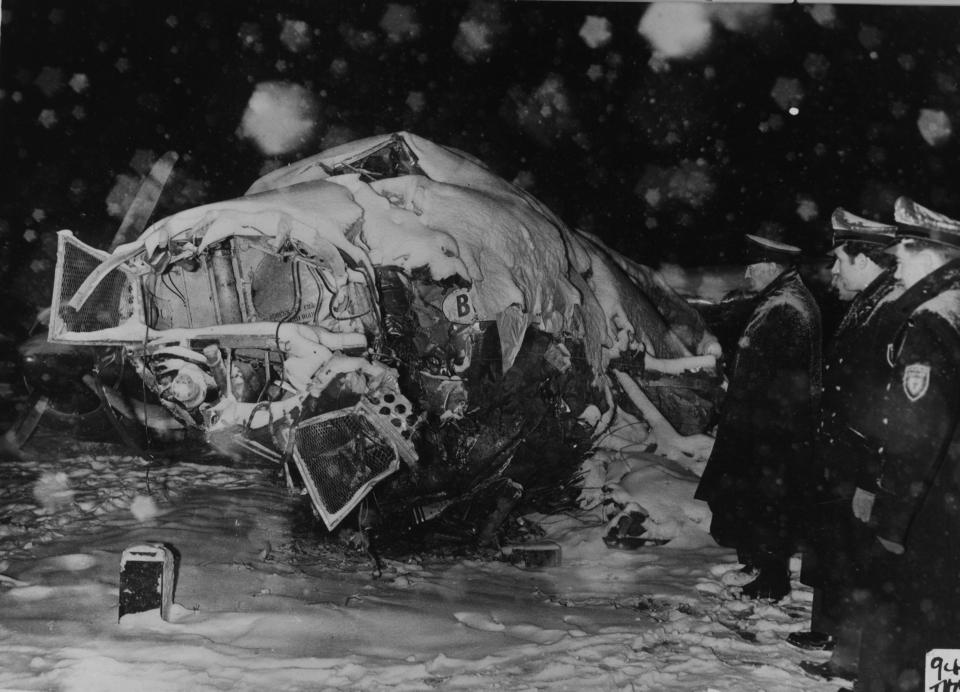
[30, 235]
[692, 184]
[787, 92]
[740, 17]
[339, 67]
[280, 117]
[934, 126]
[525, 179]
[49, 81]
[399, 23]
[594, 72]
[676, 30]
[52, 490]
[771, 124]
[47, 118]
[545, 114]
[823, 14]
[946, 83]
[870, 37]
[38, 215]
[295, 35]
[473, 39]
[142, 161]
[79, 83]
[77, 188]
[416, 101]
[658, 63]
[595, 31]
[251, 36]
[807, 209]
[358, 39]
[337, 135]
[144, 508]
[876, 155]
[478, 31]
[816, 65]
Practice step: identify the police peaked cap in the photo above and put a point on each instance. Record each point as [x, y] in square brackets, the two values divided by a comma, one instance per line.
[919, 223]
[760, 249]
[849, 227]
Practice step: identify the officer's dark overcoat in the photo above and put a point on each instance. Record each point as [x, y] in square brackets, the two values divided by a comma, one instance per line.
[918, 487]
[855, 373]
[764, 437]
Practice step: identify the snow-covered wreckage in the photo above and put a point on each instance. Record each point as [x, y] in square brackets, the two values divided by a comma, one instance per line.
[390, 314]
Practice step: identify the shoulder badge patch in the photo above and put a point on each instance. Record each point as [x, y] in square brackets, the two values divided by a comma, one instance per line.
[916, 380]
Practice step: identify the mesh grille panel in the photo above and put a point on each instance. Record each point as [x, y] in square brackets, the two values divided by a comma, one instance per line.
[103, 308]
[110, 303]
[340, 457]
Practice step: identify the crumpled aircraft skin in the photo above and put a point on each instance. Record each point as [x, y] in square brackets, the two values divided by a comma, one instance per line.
[388, 314]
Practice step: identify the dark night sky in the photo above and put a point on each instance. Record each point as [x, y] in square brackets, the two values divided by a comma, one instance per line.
[664, 164]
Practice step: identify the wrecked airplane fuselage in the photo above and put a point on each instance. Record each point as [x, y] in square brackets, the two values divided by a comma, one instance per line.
[390, 313]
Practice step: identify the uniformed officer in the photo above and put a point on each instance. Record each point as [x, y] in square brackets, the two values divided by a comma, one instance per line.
[916, 509]
[764, 438]
[833, 560]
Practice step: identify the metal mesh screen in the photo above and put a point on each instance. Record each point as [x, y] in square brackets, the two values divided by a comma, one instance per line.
[110, 303]
[341, 455]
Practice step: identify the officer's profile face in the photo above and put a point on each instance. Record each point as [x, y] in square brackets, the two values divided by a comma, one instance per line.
[912, 265]
[851, 273]
[760, 274]
[842, 274]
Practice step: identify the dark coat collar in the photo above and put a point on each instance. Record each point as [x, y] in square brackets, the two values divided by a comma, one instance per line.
[884, 277]
[788, 275]
[936, 282]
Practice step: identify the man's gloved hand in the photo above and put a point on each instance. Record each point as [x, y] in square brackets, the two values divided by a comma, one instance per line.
[890, 546]
[863, 504]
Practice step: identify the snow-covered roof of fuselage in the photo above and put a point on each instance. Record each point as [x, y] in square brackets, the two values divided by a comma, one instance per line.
[457, 220]
[516, 250]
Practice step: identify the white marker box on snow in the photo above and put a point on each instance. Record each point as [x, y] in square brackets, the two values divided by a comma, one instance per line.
[533, 555]
[146, 579]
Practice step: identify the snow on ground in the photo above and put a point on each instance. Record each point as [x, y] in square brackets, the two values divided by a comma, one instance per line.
[260, 604]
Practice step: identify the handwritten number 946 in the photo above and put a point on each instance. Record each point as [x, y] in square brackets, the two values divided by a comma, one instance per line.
[951, 668]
